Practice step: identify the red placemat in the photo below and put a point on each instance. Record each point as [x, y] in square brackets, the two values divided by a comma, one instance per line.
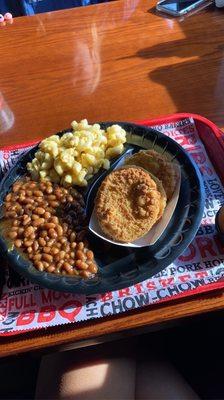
[25, 306]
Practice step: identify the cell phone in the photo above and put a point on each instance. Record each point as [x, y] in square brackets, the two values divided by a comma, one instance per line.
[179, 7]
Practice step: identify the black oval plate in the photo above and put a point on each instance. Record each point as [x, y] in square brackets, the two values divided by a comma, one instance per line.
[121, 267]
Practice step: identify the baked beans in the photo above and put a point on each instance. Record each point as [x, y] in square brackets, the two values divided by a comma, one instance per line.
[44, 221]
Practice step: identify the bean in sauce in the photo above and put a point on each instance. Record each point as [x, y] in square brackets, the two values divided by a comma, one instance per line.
[47, 222]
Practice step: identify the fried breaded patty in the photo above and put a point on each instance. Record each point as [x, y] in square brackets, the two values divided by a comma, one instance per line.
[163, 198]
[159, 165]
[127, 204]
[159, 187]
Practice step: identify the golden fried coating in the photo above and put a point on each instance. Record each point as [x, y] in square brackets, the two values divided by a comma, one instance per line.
[157, 164]
[159, 187]
[127, 204]
[163, 198]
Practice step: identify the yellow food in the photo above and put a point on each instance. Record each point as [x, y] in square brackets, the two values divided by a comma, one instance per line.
[76, 156]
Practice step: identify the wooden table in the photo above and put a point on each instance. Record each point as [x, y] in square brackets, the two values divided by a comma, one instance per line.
[115, 61]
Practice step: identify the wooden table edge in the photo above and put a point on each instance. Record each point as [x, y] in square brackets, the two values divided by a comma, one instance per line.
[80, 334]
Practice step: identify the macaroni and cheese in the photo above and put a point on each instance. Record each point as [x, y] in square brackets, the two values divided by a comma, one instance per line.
[76, 156]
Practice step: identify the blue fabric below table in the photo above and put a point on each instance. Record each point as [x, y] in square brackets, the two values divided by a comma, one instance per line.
[30, 7]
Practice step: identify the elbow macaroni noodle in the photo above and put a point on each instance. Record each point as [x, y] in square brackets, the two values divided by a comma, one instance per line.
[76, 156]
